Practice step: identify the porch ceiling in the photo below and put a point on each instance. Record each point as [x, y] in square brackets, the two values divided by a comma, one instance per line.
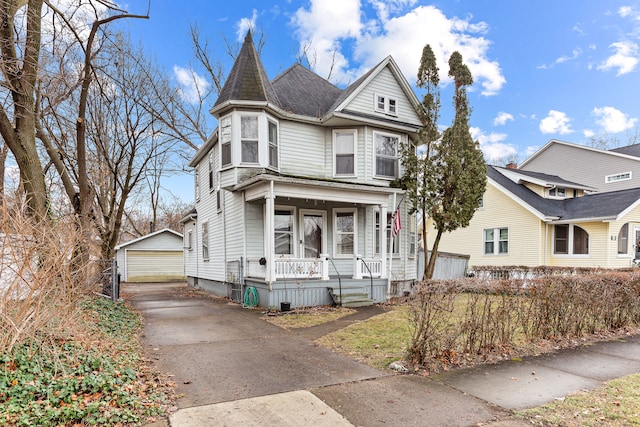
[259, 187]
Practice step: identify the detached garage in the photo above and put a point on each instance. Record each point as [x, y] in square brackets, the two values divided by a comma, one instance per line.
[156, 257]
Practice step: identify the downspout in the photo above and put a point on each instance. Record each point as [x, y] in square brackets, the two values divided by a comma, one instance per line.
[270, 230]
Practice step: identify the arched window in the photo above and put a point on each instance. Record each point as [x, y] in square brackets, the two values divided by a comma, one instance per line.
[623, 239]
[570, 239]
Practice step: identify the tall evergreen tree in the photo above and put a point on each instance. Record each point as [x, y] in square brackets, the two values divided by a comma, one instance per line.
[445, 175]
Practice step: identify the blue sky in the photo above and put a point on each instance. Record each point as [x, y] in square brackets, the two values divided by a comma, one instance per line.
[567, 70]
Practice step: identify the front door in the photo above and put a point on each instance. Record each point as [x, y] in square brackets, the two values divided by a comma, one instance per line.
[636, 244]
[312, 224]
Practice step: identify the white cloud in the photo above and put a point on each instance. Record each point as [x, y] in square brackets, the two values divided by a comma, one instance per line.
[575, 53]
[502, 118]
[328, 27]
[246, 24]
[588, 133]
[492, 145]
[624, 11]
[624, 60]
[531, 149]
[556, 122]
[613, 120]
[192, 86]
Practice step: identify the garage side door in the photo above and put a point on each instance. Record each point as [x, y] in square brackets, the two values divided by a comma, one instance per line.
[154, 266]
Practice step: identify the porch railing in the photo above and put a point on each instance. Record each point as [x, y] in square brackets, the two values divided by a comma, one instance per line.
[367, 268]
[291, 268]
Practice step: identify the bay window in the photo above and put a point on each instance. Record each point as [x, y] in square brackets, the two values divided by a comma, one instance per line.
[249, 139]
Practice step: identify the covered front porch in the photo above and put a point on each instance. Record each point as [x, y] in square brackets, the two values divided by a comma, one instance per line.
[301, 230]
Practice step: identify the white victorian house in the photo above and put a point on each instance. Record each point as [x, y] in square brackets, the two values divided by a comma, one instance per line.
[293, 195]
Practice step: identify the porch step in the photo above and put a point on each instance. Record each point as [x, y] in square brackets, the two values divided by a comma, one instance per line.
[351, 298]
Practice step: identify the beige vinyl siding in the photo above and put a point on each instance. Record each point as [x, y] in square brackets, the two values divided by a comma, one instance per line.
[585, 166]
[302, 150]
[538, 189]
[599, 253]
[384, 84]
[526, 233]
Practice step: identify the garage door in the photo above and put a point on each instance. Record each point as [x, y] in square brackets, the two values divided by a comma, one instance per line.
[154, 266]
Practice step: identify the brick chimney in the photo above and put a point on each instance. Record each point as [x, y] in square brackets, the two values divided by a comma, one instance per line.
[512, 165]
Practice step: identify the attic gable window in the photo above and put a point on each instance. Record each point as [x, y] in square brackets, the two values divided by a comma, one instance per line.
[385, 104]
[558, 192]
[617, 177]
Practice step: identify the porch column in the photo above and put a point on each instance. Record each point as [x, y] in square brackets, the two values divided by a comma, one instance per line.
[383, 239]
[269, 236]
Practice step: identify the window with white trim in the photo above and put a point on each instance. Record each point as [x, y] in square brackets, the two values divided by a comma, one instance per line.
[273, 144]
[559, 192]
[624, 176]
[412, 235]
[190, 240]
[496, 241]
[249, 139]
[205, 241]
[623, 240]
[225, 141]
[386, 150]
[344, 148]
[385, 104]
[283, 231]
[570, 239]
[395, 249]
[344, 221]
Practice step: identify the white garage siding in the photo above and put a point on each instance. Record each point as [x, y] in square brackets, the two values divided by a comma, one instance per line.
[154, 266]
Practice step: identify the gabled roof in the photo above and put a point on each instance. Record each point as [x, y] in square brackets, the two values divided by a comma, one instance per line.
[148, 236]
[630, 152]
[542, 179]
[592, 207]
[303, 92]
[247, 80]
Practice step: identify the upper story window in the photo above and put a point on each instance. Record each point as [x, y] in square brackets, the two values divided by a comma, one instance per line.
[197, 182]
[344, 148]
[617, 177]
[385, 104]
[558, 192]
[225, 141]
[570, 239]
[211, 171]
[496, 241]
[273, 144]
[249, 139]
[387, 147]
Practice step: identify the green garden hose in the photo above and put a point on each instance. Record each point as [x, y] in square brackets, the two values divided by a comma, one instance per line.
[250, 297]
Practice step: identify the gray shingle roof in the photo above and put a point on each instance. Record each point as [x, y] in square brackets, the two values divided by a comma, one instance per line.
[599, 205]
[630, 150]
[247, 80]
[301, 91]
[549, 179]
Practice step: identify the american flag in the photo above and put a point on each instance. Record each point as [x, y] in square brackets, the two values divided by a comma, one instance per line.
[396, 226]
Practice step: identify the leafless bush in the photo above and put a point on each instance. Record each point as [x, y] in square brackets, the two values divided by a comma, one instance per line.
[37, 291]
[479, 316]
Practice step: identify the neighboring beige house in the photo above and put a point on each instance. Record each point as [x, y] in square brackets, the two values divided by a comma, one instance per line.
[292, 190]
[531, 219]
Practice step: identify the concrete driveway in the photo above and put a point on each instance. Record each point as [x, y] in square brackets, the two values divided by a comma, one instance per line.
[219, 352]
